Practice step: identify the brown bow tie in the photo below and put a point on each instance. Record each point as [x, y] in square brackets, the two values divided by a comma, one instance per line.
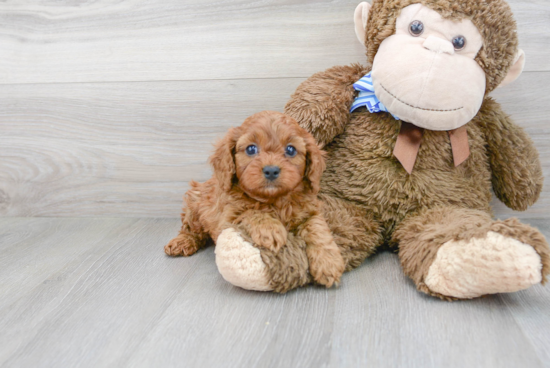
[410, 137]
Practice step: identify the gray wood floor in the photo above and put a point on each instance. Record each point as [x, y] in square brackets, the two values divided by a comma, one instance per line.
[101, 293]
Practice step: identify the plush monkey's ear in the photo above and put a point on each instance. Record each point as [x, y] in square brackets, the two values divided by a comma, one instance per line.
[515, 70]
[223, 161]
[315, 164]
[361, 17]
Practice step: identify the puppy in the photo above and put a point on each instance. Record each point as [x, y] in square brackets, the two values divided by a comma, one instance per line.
[266, 179]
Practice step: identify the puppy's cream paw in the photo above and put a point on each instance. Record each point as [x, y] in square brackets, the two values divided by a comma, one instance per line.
[489, 265]
[326, 265]
[240, 263]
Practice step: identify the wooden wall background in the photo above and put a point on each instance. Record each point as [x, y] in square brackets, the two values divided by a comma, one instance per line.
[110, 107]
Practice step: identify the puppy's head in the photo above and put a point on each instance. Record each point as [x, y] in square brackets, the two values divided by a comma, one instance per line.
[269, 155]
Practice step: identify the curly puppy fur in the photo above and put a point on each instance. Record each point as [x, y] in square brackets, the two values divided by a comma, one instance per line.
[268, 212]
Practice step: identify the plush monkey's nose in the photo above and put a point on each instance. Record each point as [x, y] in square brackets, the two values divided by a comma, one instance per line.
[271, 172]
[438, 45]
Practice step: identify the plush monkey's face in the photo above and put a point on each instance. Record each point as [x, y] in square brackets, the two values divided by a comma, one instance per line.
[426, 73]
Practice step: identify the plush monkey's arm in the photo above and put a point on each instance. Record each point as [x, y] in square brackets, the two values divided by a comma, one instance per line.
[517, 173]
[321, 104]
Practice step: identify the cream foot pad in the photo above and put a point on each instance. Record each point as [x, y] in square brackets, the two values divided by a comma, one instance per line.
[240, 263]
[490, 265]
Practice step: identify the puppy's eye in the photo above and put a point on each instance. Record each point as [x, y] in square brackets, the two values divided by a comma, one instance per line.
[252, 150]
[416, 28]
[290, 151]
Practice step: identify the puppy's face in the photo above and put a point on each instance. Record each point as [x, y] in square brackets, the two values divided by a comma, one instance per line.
[272, 156]
[270, 159]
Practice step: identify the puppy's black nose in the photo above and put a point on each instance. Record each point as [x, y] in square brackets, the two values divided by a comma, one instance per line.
[271, 172]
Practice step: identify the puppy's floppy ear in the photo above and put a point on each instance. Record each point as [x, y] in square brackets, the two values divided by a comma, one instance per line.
[315, 164]
[223, 160]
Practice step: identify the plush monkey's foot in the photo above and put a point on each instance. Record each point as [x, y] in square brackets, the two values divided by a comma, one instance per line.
[249, 267]
[459, 253]
[240, 263]
[493, 264]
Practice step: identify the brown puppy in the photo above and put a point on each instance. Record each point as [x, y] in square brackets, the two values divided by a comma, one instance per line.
[266, 179]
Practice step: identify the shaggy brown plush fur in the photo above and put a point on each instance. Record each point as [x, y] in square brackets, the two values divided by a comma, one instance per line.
[363, 176]
[269, 212]
[420, 237]
[354, 229]
[366, 191]
[289, 267]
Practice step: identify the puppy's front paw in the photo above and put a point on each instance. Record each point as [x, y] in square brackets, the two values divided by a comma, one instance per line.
[269, 234]
[326, 264]
[182, 245]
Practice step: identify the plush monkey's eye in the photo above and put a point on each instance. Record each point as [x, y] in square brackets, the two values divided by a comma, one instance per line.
[290, 151]
[416, 28]
[459, 42]
[251, 150]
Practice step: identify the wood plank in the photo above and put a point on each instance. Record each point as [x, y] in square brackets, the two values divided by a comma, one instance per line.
[533, 31]
[244, 329]
[41, 261]
[101, 295]
[45, 246]
[117, 149]
[119, 301]
[129, 149]
[376, 318]
[401, 327]
[140, 40]
[531, 309]
[527, 101]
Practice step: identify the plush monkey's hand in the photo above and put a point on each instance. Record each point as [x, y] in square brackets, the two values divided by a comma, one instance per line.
[516, 170]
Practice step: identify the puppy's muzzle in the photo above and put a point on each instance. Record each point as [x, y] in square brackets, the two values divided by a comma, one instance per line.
[271, 172]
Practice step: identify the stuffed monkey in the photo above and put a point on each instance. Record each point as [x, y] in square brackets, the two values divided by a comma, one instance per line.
[415, 145]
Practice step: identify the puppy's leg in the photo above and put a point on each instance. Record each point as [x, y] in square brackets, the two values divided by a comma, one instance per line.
[185, 244]
[326, 264]
[192, 237]
[265, 231]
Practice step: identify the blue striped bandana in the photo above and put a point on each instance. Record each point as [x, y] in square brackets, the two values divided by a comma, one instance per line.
[367, 97]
